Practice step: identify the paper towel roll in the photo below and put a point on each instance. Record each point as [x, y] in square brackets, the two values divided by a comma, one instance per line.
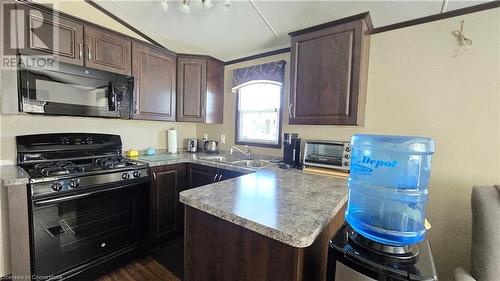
[172, 140]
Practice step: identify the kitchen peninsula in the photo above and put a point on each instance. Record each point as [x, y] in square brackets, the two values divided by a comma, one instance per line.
[273, 224]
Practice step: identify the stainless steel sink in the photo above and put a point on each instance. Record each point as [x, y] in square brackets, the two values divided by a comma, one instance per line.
[215, 158]
[252, 163]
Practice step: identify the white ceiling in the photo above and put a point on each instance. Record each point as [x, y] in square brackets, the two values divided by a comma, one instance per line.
[240, 31]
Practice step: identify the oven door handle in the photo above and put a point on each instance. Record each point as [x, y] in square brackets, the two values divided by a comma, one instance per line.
[77, 196]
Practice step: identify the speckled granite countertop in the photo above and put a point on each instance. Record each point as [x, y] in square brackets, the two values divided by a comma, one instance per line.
[163, 158]
[290, 206]
[11, 175]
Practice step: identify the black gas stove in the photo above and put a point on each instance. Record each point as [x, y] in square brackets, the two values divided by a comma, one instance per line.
[66, 167]
[67, 162]
[88, 206]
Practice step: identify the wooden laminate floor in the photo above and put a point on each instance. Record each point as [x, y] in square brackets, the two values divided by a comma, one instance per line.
[146, 269]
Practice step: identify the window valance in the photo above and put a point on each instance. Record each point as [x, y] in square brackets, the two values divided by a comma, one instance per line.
[273, 71]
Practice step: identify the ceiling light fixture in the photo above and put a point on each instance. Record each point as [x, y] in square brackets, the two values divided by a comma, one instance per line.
[185, 7]
[208, 4]
[164, 4]
[227, 3]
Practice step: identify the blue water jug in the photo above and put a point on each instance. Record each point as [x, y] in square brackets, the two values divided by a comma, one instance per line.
[388, 187]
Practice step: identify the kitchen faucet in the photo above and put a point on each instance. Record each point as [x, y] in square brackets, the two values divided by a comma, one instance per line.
[247, 154]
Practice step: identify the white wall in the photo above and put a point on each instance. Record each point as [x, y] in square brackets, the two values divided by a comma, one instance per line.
[135, 133]
[416, 87]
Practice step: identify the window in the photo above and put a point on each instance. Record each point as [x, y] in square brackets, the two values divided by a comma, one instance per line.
[258, 118]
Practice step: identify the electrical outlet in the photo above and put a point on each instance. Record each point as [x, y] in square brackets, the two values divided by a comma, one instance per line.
[222, 139]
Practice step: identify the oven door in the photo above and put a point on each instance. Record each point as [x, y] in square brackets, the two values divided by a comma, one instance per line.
[68, 91]
[70, 231]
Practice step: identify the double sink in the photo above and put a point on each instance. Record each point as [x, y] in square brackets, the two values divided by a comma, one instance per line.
[250, 163]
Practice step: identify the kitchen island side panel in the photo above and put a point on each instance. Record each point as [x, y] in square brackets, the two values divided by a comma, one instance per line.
[216, 249]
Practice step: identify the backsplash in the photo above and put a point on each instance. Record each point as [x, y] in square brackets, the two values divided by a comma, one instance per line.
[135, 133]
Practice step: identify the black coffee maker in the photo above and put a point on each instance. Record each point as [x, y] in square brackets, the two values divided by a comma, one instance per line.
[291, 150]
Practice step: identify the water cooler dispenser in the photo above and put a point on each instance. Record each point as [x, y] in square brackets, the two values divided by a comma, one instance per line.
[384, 234]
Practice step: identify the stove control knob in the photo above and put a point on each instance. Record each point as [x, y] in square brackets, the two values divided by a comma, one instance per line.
[57, 186]
[347, 156]
[347, 149]
[74, 184]
[125, 176]
[137, 174]
[346, 163]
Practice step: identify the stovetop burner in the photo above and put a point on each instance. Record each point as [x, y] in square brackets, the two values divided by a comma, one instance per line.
[111, 162]
[58, 168]
[76, 167]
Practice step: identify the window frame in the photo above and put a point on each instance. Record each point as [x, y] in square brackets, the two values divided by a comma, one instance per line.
[280, 115]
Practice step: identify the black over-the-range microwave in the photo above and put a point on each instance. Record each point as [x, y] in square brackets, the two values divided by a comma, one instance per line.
[66, 89]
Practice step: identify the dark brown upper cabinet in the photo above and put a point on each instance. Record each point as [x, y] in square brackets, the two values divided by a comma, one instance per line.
[50, 34]
[107, 51]
[200, 89]
[154, 71]
[328, 72]
[74, 41]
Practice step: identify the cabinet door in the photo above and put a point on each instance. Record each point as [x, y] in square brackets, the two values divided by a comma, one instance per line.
[154, 82]
[46, 33]
[325, 75]
[199, 175]
[214, 107]
[228, 174]
[107, 51]
[191, 89]
[166, 210]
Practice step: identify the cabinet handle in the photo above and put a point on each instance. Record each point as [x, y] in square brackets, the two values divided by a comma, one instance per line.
[290, 110]
[220, 177]
[89, 55]
[154, 175]
[215, 177]
[80, 54]
[203, 111]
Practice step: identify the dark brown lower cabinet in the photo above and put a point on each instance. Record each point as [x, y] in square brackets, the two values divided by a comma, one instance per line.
[167, 213]
[228, 174]
[216, 249]
[199, 175]
[167, 218]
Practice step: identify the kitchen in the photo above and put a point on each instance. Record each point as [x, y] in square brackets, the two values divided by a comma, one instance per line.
[414, 87]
